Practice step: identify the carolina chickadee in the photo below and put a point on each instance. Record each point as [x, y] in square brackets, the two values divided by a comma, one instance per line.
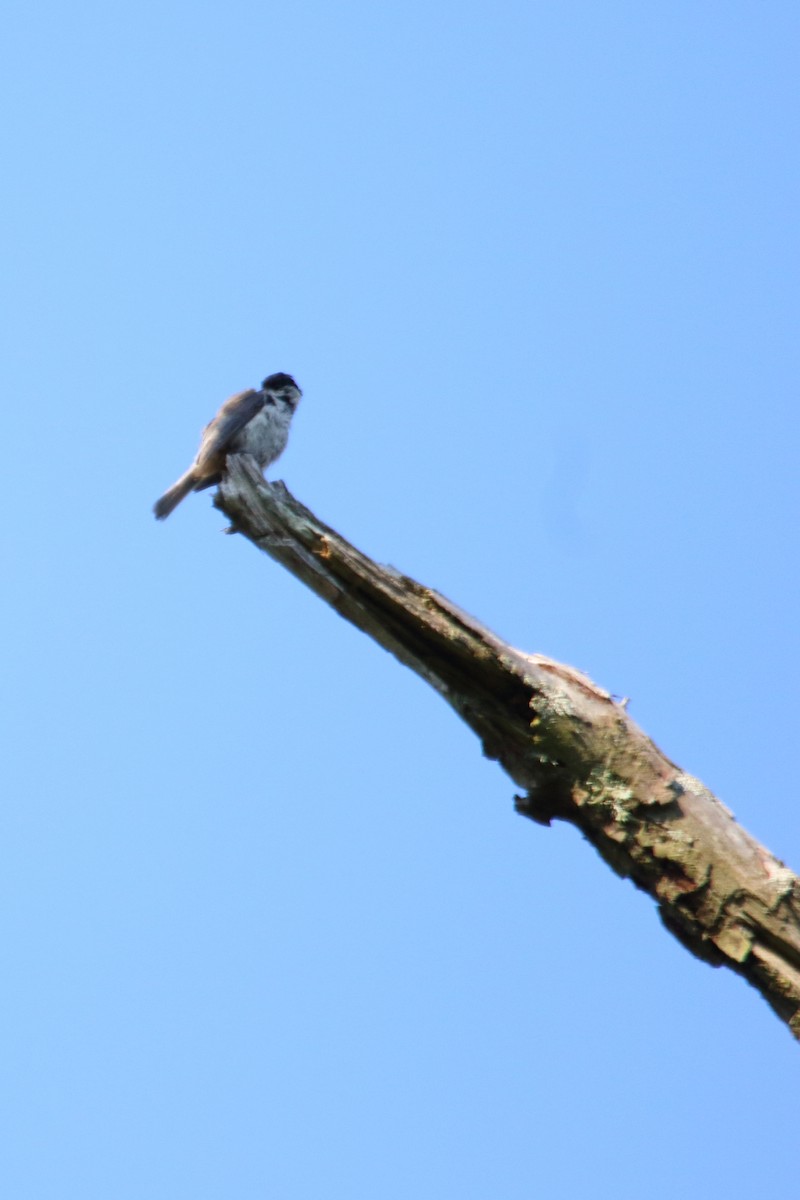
[252, 422]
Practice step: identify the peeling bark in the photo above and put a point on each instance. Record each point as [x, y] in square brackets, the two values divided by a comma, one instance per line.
[568, 745]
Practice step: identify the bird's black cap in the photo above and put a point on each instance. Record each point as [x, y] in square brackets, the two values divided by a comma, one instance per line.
[273, 383]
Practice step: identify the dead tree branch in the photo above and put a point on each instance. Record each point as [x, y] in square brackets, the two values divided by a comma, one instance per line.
[565, 742]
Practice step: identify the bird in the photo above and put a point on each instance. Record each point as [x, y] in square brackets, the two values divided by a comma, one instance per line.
[254, 422]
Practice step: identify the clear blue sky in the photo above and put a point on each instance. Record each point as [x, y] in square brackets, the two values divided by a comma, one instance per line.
[270, 926]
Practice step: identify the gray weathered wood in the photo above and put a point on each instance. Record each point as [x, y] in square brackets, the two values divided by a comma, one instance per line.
[573, 750]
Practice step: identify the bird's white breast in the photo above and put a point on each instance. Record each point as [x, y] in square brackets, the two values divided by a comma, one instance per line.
[265, 436]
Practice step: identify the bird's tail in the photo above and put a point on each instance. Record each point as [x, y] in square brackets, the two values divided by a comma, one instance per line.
[172, 498]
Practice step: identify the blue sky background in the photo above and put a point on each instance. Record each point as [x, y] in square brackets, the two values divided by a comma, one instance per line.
[270, 925]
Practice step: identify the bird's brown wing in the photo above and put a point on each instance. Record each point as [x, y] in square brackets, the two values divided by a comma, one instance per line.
[219, 433]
